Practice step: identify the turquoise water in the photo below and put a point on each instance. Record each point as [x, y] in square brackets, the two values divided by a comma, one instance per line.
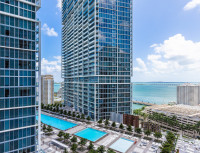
[154, 92]
[56, 87]
[91, 134]
[55, 122]
[122, 145]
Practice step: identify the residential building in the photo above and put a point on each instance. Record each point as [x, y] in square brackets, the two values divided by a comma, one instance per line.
[97, 56]
[47, 89]
[176, 118]
[188, 94]
[19, 57]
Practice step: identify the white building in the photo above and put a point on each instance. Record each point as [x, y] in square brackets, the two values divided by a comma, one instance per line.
[47, 89]
[188, 94]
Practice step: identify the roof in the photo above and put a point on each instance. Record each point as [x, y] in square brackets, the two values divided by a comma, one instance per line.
[184, 110]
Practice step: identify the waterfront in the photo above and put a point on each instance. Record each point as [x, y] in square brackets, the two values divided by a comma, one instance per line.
[154, 92]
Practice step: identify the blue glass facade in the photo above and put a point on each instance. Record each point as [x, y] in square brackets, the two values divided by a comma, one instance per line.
[97, 56]
[19, 53]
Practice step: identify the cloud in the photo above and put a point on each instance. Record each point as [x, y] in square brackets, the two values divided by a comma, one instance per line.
[52, 67]
[49, 31]
[59, 4]
[175, 59]
[141, 65]
[192, 4]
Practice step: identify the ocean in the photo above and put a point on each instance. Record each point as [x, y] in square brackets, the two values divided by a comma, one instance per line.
[151, 92]
[154, 92]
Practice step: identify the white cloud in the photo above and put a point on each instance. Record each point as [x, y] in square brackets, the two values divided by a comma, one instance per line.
[176, 59]
[52, 68]
[192, 4]
[59, 4]
[141, 65]
[49, 31]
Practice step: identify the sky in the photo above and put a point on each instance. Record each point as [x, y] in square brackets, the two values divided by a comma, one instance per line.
[166, 40]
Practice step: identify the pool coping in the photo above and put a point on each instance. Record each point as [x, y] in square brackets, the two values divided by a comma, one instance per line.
[126, 140]
[60, 119]
[90, 140]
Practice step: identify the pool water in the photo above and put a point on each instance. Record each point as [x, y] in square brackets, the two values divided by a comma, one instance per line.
[91, 134]
[122, 145]
[55, 122]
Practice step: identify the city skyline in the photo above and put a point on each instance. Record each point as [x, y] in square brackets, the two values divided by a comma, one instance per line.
[152, 28]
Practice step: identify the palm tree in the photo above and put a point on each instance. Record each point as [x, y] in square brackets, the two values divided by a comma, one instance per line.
[74, 139]
[83, 116]
[91, 146]
[49, 129]
[100, 121]
[106, 123]
[82, 142]
[74, 147]
[44, 127]
[101, 149]
[69, 113]
[66, 136]
[113, 125]
[60, 134]
[88, 118]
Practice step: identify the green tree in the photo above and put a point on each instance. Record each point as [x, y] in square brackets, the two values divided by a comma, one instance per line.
[44, 127]
[147, 133]
[101, 149]
[113, 124]
[74, 147]
[69, 113]
[100, 121]
[65, 151]
[129, 128]
[138, 130]
[74, 114]
[65, 112]
[49, 129]
[74, 139]
[121, 126]
[106, 122]
[82, 116]
[158, 135]
[91, 146]
[92, 151]
[88, 118]
[61, 134]
[66, 136]
[82, 143]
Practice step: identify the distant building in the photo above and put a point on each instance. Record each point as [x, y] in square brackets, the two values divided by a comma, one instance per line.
[47, 89]
[187, 117]
[125, 119]
[188, 94]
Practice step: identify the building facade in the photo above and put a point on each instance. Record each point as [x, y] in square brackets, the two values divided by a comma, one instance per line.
[47, 89]
[97, 56]
[19, 55]
[180, 119]
[188, 94]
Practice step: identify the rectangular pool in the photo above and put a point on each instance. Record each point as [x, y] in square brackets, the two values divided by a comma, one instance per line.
[91, 134]
[55, 122]
[122, 145]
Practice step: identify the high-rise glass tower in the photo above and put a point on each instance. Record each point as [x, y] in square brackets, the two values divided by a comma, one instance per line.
[97, 56]
[19, 69]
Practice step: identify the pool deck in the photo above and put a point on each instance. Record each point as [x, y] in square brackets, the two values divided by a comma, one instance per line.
[107, 140]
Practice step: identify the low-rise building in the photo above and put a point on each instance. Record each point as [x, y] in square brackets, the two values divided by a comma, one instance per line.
[47, 89]
[188, 94]
[182, 119]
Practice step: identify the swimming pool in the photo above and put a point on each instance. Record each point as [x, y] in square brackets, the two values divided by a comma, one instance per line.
[122, 145]
[91, 134]
[55, 122]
